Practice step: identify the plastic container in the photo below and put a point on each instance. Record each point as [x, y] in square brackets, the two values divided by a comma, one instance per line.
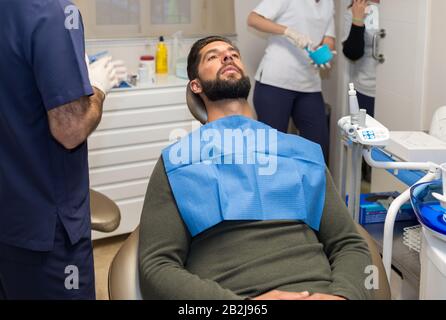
[176, 48]
[147, 69]
[322, 55]
[181, 68]
[162, 61]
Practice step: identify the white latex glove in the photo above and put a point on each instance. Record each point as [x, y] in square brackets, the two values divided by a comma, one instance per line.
[103, 75]
[121, 70]
[298, 39]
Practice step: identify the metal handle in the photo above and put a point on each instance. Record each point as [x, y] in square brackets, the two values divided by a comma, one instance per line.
[377, 56]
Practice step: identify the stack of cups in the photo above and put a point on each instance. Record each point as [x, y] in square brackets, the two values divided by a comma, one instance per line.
[147, 70]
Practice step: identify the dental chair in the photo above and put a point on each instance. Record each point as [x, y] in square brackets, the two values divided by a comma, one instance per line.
[123, 277]
[105, 214]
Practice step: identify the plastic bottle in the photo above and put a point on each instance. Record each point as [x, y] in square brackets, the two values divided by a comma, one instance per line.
[354, 105]
[162, 61]
[147, 69]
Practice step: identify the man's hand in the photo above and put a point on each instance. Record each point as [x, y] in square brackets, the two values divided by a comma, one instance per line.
[322, 296]
[298, 39]
[283, 295]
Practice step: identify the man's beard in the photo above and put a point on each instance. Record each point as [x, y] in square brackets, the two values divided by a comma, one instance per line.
[216, 90]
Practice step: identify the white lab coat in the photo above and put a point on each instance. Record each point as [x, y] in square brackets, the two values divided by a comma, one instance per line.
[284, 65]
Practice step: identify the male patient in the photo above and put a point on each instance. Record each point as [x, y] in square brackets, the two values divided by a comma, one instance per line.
[237, 210]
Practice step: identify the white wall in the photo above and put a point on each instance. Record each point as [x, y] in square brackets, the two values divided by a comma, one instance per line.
[251, 43]
[334, 87]
[435, 94]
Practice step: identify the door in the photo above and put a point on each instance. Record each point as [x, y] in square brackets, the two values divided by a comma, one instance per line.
[401, 78]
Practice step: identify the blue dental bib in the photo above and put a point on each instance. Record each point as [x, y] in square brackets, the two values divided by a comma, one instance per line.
[237, 168]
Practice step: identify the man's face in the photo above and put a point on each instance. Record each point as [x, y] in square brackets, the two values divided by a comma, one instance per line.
[221, 73]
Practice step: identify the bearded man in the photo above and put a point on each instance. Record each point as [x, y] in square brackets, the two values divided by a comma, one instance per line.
[216, 226]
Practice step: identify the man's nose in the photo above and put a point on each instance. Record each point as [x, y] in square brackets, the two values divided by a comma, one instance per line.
[228, 58]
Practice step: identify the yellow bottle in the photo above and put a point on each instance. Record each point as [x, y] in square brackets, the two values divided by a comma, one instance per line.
[161, 57]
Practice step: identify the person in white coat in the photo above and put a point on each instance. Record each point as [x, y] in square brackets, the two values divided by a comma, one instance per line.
[287, 84]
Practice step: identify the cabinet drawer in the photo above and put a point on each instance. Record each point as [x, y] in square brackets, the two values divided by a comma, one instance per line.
[130, 136]
[144, 117]
[116, 156]
[145, 98]
[126, 172]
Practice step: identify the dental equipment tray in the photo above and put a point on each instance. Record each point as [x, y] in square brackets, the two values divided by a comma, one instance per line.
[416, 147]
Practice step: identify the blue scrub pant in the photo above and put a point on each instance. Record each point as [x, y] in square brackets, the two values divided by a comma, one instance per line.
[53, 275]
[275, 106]
[366, 102]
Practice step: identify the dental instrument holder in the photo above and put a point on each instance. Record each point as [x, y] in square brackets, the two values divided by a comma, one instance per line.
[321, 55]
[360, 131]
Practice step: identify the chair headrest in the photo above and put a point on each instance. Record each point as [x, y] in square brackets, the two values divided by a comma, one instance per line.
[196, 105]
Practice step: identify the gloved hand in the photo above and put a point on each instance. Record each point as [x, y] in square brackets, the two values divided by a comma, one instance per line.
[120, 69]
[298, 39]
[106, 74]
[322, 66]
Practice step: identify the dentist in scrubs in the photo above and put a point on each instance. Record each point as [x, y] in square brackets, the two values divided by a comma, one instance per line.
[287, 84]
[49, 104]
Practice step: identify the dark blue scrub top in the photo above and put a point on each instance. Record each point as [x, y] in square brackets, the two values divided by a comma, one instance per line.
[42, 66]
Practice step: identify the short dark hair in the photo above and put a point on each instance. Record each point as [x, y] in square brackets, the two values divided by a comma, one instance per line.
[193, 60]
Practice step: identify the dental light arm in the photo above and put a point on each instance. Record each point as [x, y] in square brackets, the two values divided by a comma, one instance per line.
[425, 166]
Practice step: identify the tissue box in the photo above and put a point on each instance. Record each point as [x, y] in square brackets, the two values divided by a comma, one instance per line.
[373, 208]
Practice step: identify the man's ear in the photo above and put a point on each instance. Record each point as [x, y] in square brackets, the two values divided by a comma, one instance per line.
[196, 87]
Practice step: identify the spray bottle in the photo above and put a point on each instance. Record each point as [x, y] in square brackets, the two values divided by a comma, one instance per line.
[358, 117]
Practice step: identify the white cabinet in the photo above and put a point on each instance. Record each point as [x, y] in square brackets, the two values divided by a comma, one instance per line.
[135, 128]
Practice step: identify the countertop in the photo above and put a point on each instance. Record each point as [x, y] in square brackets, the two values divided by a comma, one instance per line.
[161, 82]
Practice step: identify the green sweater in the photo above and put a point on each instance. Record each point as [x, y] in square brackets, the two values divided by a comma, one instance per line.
[239, 259]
